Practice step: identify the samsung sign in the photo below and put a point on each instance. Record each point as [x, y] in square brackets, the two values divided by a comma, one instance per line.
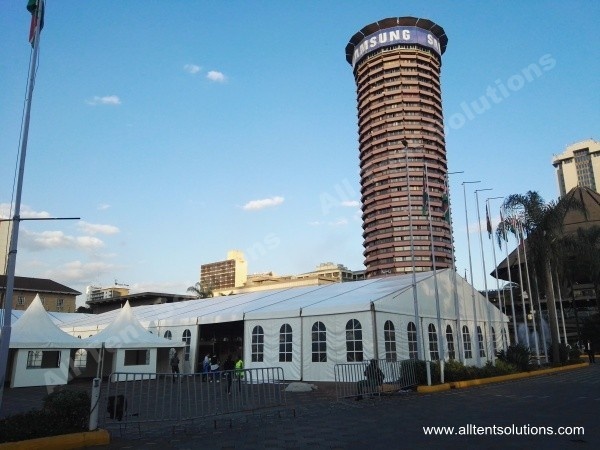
[396, 35]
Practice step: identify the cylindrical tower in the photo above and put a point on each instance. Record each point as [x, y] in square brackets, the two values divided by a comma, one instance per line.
[396, 64]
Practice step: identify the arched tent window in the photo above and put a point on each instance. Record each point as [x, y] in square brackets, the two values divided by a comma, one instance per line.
[80, 360]
[434, 354]
[467, 342]
[411, 333]
[258, 344]
[480, 341]
[354, 345]
[389, 337]
[168, 335]
[187, 339]
[319, 342]
[450, 340]
[495, 347]
[285, 343]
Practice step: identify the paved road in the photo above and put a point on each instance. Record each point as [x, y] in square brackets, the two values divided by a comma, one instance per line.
[567, 399]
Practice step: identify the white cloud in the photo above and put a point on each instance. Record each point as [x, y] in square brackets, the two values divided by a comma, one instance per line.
[79, 271]
[106, 100]
[351, 203]
[95, 228]
[192, 68]
[215, 76]
[336, 223]
[26, 212]
[255, 205]
[103, 207]
[58, 240]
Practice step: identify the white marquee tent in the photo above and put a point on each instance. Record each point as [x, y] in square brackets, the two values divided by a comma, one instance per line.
[375, 309]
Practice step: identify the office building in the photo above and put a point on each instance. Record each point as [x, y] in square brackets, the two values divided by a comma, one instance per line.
[230, 273]
[578, 166]
[396, 64]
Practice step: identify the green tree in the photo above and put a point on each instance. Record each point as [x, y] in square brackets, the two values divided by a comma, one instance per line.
[542, 225]
[201, 291]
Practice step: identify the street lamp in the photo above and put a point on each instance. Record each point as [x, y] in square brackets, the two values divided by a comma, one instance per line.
[478, 358]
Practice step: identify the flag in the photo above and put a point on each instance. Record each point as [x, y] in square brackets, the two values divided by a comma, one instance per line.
[446, 206]
[504, 235]
[488, 222]
[32, 7]
[425, 201]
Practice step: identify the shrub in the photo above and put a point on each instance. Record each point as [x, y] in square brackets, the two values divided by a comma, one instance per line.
[63, 412]
[518, 355]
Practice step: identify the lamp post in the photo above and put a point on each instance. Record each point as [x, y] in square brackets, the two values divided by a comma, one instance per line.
[500, 301]
[487, 297]
[464, 183]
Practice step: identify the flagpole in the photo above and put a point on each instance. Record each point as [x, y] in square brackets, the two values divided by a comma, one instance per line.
[477, 357]
[490, 353]
[420, 349]
[518, 235]
[500, 300]
[512, 297]
[12, 253]
[529, 287]
[461, 354]
[562, 313]
[441, 346]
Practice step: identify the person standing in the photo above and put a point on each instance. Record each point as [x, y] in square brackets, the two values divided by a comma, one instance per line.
[589, 348]
[239, 371]
[229, 367]
[174, 362]
[205, 368]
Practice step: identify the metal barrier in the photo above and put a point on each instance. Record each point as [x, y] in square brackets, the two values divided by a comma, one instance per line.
[134, 398]
[351, 379]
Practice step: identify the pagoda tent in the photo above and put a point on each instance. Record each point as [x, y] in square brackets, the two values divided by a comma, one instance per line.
[42, 351]
[128, 347]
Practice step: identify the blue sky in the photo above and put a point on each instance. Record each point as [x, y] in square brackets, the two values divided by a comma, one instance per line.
[178, 130]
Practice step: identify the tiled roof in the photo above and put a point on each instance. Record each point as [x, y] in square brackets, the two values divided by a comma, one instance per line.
[38, 285]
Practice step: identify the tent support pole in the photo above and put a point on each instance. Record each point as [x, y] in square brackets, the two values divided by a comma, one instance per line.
[301, 346]
[374, 325]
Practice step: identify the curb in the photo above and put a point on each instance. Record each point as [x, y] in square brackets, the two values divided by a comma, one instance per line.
[61, 442]
[498, 379]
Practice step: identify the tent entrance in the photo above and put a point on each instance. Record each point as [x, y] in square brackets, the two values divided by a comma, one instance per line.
[220, 340]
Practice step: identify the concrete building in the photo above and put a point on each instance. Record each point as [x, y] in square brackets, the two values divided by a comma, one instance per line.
[54, 296]
[102, 305]
[227, 274]
[97, 293]
[396, 64]
[578, 166]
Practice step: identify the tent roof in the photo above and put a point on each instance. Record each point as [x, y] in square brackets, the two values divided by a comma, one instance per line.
[334, 298]
[35, 329]
[125, 331]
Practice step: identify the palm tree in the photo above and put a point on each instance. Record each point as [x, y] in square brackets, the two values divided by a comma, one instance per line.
[543, 226]
[201, 291]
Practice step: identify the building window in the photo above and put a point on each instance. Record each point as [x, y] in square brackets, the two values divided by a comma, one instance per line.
[467, 342]
[411, 331]
[480, 341]
[168, 335]
[258, 344]
[20, 300]
[450, 340]
[389, 337]
[187, 340]
[137, 357]
[354, 346]
[434, 354]
[285, 343]
[38, 359]
[59, 304]
[319, 342]
[80, 360]
[494, 340]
